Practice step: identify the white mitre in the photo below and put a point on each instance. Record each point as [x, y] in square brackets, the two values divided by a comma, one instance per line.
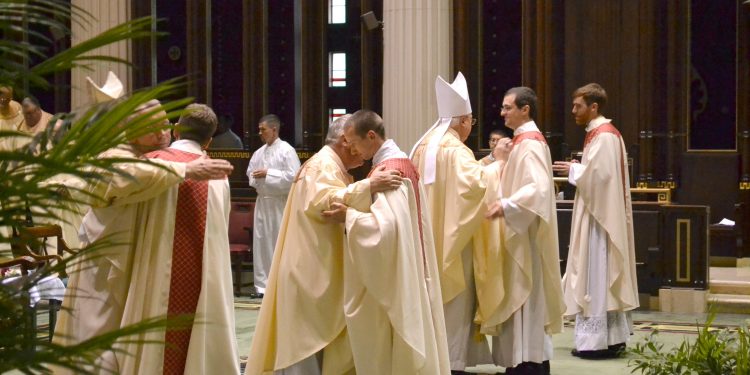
[111, 90]
[452, 101]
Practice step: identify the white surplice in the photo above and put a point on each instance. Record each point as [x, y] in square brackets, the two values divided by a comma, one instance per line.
[282, 163]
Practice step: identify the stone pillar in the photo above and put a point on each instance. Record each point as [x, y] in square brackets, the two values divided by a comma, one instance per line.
[106, 14]
[416, 49]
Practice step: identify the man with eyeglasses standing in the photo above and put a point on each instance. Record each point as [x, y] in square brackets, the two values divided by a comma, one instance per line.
[526, 273]
[455, 188]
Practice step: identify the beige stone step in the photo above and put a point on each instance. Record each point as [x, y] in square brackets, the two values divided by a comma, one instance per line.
[730, 287]
[728, 303]
[729, 280]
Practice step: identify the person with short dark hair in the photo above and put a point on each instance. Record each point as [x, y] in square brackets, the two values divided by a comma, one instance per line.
[271, 171]
[225, 138]
[395, 303]
[527, 273]
[200, 281]
[495, 136]
[600, 281]
[144, 214]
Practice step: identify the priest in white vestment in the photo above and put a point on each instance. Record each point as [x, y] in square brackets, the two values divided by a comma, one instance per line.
[11, 116]
[271, 171]
[301, 329]
[526, 271]
[600, 281]
[393, 304]
[128, 280]
[455, 185]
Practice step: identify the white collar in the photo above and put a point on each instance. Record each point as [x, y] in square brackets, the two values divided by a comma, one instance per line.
[597, 122]
[529, 126]
[187, 145]
[388, 150]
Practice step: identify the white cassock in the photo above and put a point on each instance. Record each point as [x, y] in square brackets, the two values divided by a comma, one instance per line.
[282, 163]
[393, 304]
[600, 280]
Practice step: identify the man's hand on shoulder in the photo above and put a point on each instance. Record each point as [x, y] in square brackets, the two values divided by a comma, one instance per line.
[384, 180]
[207, 169]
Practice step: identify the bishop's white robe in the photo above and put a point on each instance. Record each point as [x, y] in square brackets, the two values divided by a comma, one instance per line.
[393, 304]
[522, 301]
[123, 284]
[302, 314]
[457, 205]
[600, 281]
[282, 163]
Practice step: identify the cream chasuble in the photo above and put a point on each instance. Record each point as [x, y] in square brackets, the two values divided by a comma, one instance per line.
[282, 163]
[602, 223]
[457, 205]
[393, 305]
[303, 307]
[521, 300]
[10, 122]
[105, 286]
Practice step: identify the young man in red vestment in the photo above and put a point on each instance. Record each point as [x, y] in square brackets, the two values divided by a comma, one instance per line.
[600, 283]
[200, 282]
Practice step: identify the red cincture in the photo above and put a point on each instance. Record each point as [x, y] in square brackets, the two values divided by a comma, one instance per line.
[187, 259]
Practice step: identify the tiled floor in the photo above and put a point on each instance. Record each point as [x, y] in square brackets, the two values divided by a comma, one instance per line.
[673, 329]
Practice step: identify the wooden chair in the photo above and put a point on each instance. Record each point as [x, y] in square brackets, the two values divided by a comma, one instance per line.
[28, 264]
[241, 241]
[29, 243]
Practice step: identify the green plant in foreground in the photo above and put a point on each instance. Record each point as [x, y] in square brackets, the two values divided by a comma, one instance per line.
[25, 172]
[714, 351]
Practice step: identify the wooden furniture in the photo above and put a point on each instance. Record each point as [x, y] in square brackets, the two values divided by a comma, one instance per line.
[241, 219]
[684, 242]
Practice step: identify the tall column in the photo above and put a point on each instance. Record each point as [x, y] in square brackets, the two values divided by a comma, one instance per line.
[416, 49]
[106, 14]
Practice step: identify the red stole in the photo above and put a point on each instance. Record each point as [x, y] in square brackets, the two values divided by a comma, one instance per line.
[187, 259]
[608, 128]
[535, 135]
[406, 167]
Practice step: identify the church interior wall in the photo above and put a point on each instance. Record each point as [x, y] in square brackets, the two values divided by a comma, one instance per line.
[653, 57]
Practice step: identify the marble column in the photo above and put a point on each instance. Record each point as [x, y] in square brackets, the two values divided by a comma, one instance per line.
[106, 14]
[416, 49]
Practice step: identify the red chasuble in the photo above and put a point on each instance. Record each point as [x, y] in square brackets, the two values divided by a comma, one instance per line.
[187, 259]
